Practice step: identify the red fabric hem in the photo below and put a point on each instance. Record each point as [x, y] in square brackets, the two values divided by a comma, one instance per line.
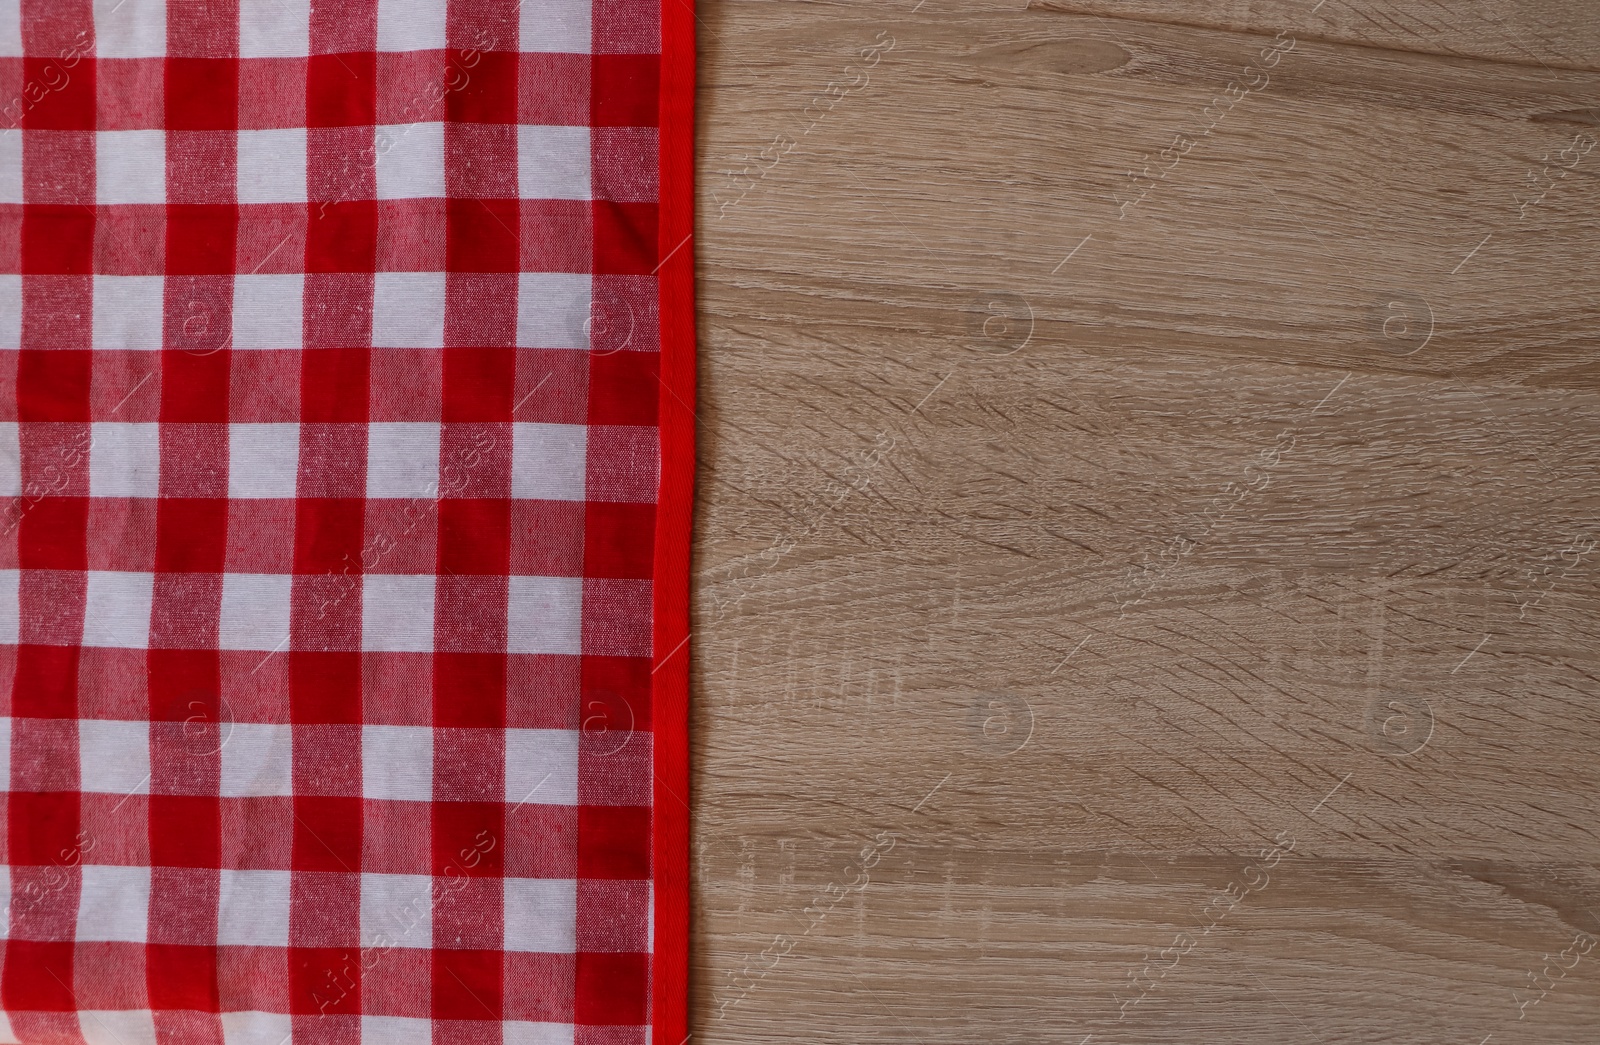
[674, 517]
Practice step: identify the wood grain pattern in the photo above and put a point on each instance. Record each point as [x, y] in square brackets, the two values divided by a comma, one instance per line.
[1076, 548]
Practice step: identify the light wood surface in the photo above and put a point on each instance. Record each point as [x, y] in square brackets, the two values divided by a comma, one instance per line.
[1074, 549]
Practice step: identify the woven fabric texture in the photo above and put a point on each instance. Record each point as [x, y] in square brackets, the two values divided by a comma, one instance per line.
[329, 446]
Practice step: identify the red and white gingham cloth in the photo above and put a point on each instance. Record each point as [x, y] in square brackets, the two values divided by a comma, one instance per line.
[329, 345]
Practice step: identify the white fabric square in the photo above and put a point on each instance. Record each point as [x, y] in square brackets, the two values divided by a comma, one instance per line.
[130, 28]
[117, 1026]
[522, 1032]
[397, 613]
[7, 1035]
[396, 1030]
[397, 763]
[549, 462]
[553, 162]
[130, 166]
[560, 26]
[10, 608]
[402, 458]
[257, 761]
[10, 466]
[116, 612]
[274, 29]
[10, 162]
[256, 1028]
[396, 910]
[411, 25]
[5, 774]
[124, 459]
[267, 311]
[127, 312]
[255, 611]
[11, 29]
[545, 615]
[10, 294]
[263, 460]
[541, 915]
[542, 767]
[272, 166]
[113, 756]
[553, 310]
[114, 906]
[408, 310]
[410, 161]
[253, 909]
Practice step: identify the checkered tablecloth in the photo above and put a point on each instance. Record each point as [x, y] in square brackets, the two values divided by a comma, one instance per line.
[332, 349]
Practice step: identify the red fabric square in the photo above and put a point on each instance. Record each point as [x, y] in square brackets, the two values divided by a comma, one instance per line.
[474, 536]
[342, 90]
[37, 976]
[327, 535]
[202, 94]
[41, 827]
[342, 237]
[51, 534]
[56, 98]
[482, 235]
[184, 686]
[194, 386]
[613, 842]
[467, 985]
[469, 690]
[625, 238]
[489, 94]
[464, 839]
[618, 540]
[327, 834]
[324, 981]
[201, 238]
[181, 977]
[191, 535]
[46, 682]
[478, 383]
[325, 686]
[333, 385]
[53, 385]
[57, 239]
[185, 830]
[611, 988]
[616, 695]
[624, 90]
[623, 389]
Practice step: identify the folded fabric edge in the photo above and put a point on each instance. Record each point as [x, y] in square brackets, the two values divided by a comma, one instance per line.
[674, 519]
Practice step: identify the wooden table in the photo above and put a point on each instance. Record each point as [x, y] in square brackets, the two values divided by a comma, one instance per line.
[1147, 567]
